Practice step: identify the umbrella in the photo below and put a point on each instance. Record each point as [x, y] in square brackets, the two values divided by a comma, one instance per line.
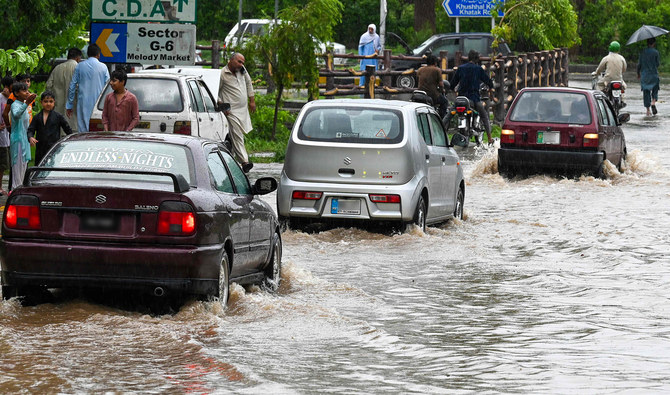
[646, 32]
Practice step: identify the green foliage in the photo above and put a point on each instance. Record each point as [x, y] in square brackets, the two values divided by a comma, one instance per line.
[260, 139]
[20, 60]
[537, 24]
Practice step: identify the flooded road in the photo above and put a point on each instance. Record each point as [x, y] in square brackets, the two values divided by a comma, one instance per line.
[547, 285]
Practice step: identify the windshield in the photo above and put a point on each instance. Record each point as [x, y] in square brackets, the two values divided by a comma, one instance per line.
[117, 154]
[153, 94]
[552, 107]
[423, 46]
[352, 125]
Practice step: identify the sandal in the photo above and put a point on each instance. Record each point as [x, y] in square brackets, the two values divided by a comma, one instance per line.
[653, 109]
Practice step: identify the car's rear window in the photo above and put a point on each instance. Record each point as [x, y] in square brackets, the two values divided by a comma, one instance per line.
[153, 94]
[352, 125]
[115, 154]
[552, 107]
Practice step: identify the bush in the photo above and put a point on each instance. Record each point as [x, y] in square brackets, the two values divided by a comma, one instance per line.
[260, 139]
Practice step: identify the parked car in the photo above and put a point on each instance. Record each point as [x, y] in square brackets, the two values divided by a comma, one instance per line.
[361, 161]
[161, 214]
[177, 103]
[450, 42]
[563, 130]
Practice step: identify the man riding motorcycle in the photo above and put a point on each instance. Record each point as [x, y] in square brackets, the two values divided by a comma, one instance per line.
[430, 81]
[614, 65]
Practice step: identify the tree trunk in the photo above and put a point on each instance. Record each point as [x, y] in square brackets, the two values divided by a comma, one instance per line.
[424, 15]
[280, 90]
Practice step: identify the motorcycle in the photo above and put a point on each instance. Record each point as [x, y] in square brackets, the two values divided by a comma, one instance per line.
[469, 123]
[614, 92]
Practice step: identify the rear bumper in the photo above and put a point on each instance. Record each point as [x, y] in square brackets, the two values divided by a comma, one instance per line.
[535, 160]
[176, 269]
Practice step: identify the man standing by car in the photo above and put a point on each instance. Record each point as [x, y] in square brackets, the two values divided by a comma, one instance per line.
[88, 80]
[59, 83]
[470, 76]
[236, 97]
[430, 81]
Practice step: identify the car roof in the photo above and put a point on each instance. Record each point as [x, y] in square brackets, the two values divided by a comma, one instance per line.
[560, 89]
[466, 34]
[211, 77]
[395, 104]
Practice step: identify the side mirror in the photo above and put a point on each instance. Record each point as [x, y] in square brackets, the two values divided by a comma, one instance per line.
[265, 185]
[624, 117]
[460, 140]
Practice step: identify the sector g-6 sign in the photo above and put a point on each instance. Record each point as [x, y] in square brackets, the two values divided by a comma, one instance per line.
[175, 11]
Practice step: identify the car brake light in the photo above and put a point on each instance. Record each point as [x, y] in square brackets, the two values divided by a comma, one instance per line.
[616, 85]
[23, 212]
[182, 127]
[507, 136]
[95, 125]
[307, 195]
[590, 140]
[385, 198]
[176, 219]
[460, 109]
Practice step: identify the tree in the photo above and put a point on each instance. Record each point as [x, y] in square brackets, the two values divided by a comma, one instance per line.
[290, 46]
[20, 60]
[537, 24]
[424, 15]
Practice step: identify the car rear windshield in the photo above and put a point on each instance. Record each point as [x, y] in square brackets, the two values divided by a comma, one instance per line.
[103, 154]
[153, 94]
[352, 125]
[552, 107]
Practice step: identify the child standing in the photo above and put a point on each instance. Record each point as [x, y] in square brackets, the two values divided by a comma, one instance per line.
[4, 129]
[44, 129]
[121, 110]
[19, 146]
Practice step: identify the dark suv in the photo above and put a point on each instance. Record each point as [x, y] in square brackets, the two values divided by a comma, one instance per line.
[450, 42]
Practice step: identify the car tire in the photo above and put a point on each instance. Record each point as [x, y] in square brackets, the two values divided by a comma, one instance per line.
[223, 293]
[9, 292]
[405, 81]
[599, 172]
[460, 201]
[420, 214]
[273, 270]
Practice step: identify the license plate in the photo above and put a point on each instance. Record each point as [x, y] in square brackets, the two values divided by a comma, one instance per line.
[616, 93]
[345, 206]
[548, 137]
[461, 122]
[143, 125]
[99, 222]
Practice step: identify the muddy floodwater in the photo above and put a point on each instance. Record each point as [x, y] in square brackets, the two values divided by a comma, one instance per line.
[547, 285]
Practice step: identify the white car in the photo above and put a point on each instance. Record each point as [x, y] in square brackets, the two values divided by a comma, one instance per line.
[172, 102]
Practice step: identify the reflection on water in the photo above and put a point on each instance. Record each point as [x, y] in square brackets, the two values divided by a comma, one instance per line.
[547, 285]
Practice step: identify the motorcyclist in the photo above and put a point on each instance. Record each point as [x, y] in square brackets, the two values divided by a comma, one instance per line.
[614, 65]
[430, 81]
[470, 76]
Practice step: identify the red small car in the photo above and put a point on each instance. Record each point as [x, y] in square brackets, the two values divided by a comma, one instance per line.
[562, 130]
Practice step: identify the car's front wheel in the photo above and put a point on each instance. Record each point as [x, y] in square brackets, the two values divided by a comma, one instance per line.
[273, 270]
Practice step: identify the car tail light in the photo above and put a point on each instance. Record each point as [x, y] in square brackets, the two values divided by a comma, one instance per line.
[182, 127]
[616, 85]
[95, 125]
[507, 136]
[176, 219]
[306, 195]
[590, 140]
[23, 212]
[385, 198]
[460, 110]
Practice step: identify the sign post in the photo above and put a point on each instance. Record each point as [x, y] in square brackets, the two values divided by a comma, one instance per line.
[469, 8]
[173, 11]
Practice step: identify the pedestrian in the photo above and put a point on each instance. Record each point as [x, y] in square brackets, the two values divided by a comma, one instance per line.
[369, 44]
[19, 146]
[25, 78]
[236, 97]
[7, 82]
[647, 73]
[431, 82]
[88, 80]
[121, 110]
[45, 128]
[59, 84]
[470, 76]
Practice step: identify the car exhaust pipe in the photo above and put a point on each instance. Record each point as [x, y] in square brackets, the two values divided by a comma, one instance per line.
[159, 291]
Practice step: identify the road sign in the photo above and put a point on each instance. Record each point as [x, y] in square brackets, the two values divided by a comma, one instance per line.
[173, 11]
[469, 8]
[148, 43]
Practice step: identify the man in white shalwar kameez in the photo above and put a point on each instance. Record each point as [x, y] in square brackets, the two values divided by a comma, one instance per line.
[235, 90]
[88, 80]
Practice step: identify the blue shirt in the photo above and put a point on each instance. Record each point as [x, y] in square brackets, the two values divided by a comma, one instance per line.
[470, 76]
[88, 80]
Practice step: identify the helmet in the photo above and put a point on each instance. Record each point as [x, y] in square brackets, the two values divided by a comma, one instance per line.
[615, 46]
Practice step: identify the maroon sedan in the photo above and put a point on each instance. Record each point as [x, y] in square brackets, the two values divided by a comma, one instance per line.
[562, 130]
[156, 213]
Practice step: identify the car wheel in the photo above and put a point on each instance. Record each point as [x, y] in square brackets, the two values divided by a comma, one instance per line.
[273, 271]
[405, 81]
[420, 214]
[9, 292]
[224, 280]
[460, 200]
[599, 171]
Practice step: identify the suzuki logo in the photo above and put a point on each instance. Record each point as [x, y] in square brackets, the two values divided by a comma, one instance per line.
[347, 160]
[100, 199]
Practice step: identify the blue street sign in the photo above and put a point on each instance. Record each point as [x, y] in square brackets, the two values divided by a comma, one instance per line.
[112, 38]
[470, 8]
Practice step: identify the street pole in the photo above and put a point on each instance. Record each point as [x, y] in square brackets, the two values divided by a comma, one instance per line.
[382, 22]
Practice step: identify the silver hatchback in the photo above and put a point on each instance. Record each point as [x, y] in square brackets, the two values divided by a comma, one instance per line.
[361, 160]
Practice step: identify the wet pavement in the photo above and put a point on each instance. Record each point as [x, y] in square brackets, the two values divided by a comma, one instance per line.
[548, 285]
